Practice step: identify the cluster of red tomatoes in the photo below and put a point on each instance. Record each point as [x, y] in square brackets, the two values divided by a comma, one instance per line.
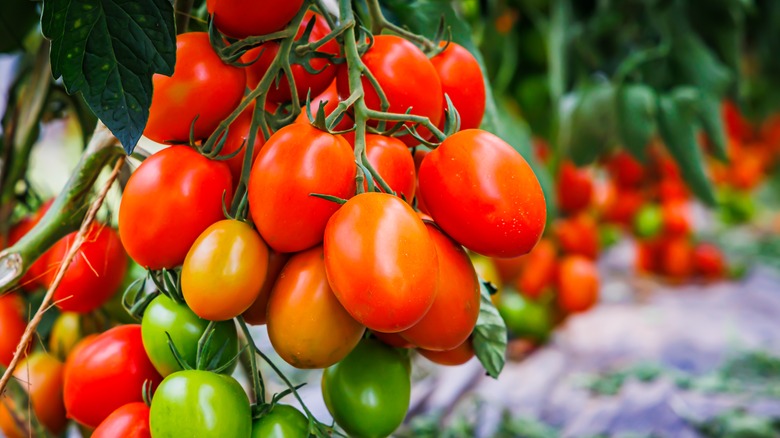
[334, 245]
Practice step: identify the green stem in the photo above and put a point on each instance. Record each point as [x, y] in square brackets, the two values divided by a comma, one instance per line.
[183, 10]
[200, 356]
[380, 23]
[396, 117]
[258, 386]
[355, 67]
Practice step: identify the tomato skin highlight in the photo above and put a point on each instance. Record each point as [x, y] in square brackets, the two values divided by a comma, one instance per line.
[12, 326]
[128, 421]
[202, 86]
[307, 325]
[381, 262]
[283, 421]
[368, 392]
[483, 194]
[299, 160]
[392, 160]
[187, 188]
[224, 270]
[451, 318]
[115, 359]
[202, 404]
[461, 80]
[456, 356]
[241, 19]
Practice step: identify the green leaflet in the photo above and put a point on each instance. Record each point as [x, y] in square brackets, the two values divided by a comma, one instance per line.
[589, 128]
[489, 336]
[636, 108]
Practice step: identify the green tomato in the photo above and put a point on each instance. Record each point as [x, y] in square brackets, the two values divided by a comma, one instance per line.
[609, 235]
[736, 207]
[200, 404]
[283, 421]
[368, 391]
[525, 318]
[185, 328]
[649, 221]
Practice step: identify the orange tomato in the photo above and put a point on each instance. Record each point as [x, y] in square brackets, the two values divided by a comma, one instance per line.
[539, 271]
[676, 217]
[457, 356]
[578, 235]
[257, 312]
[676, 258]
[578, 284]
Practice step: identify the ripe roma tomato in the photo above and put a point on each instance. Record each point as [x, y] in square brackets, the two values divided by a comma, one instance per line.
[201, 86]
[305, 83]
[41, 376]
[461, 80]
[393, 161]
[484, 194]
[578, 284]
[129, 421]
[676, 218]
[95, 273]
[381, 262]
[393, 340]
[457, 356]
[394, 61]
[200, 404]
[307, 325]
[256, 313]
[330, 99]
[240, 19]
[224, 270]
[452, 317]
[708, 261]
[282, 421]
[105, 372]
[575, 188]
[676, 257]
[187, 189]
[12, 325]
[299, 160]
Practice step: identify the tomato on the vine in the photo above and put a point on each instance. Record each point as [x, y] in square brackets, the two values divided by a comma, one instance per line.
[368, 392]
[282, 421]
[461, 80]
[306, 83]
[575, 187]
[457, 356]
[129, 421]
[164, 317]
[200, 403]
[524, 317]
[393, 61]
[12, 325]
[240, 19]
[484, 194]
[202, 91]
[392, 160]
[451, 318]
[578, 235]
[257, 313]
[187, 189]
[329, 100]
[578, 284]
[307, 325]
[381, 262]
[299, 160]
[708, 261]
[393, 339]
[105, 372]
[224, 270]
[540, 268]
[237, 138]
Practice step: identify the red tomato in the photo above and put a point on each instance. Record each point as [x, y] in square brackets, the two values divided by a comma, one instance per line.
[95, 273]
[578, 235]
[128, 421]
[484, 194]
[12, 325]
[33, 277]
[578, 284]
[299, 160]
[407, 78]
[305, 82]
[672, 190]
[510, 269]
[330, 99]
[575, 188]
[454, 312]
[461, 80]
[393, 161]
[187, 190]
[621, 205]
[256, 313]
[540, 268]
[708, 261]
[747, 170]
[647, 256]
[676, 258]
[241, 19]
[457, 356]
[676, 218]
[393, 340]
[237, 137]
[736, 125]
[381, 262]
[627, 171]
[105, 372]
[202, 86]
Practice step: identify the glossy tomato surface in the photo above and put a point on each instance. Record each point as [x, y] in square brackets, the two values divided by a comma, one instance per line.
[241, 19]
[128, 421]
[392, 160]
[12, 325]
[461, 80]
[283, 421]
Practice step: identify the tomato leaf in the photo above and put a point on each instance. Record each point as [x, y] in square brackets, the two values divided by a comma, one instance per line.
[489, 336]
[589, 129]
[109, 50]
[712, 122]
[16, 21]
[636, 118]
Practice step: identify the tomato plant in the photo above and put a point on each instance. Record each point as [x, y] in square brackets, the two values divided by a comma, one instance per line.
[457, 356]
[128, 421]
[461, 79]
[281, 421]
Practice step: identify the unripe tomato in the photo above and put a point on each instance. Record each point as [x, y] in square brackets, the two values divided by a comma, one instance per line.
[282, 421]
[649, 221]
[708, 261]
[307, 325]
[525, 318]
[578, 284]
[393, 340]
[237, 138]
[105, 372]
[256, 314]
[240, 19]
[540, 269]
[187, 190]
[381, 262]
[41, 376]
[461, 80]
[578, 235]
[164, 317]
[68, 329]
[202, 404]
[457, 356]
[368, 392]
[224, 270]
[94, 275]
[676, 217]
[202, 87]
[575, 188]
[306, 83]
[484, 194]
[394, 61]
[299, 160]
[454, 312]
[392, 160]
[128, 421]
[12, 325]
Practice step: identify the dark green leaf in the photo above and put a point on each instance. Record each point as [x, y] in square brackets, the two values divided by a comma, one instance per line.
[636, 118]
[676, 123]
[16, 21]
[490, 335]
[712, 122]
[696, 64]
[109, 50]
[589, 129]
